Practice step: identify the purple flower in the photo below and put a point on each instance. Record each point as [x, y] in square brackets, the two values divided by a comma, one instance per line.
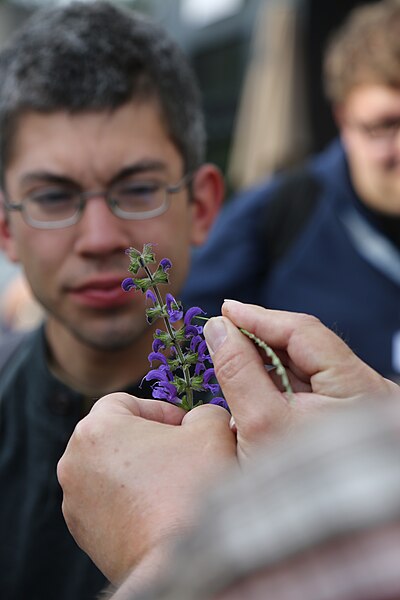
[157, 345]
[203, 351]
[129, 284]
[208, 375]
[166, 391]
[151, 296]
[159, 374]
[219, 401]
[165, 264]
[158, 356]
[185, 370]
[212, 387]
[199, 368]
[190, 331]
[174, 310]
[191, 313]
[194, 342]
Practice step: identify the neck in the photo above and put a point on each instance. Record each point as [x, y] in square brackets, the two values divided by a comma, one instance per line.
[92, 371]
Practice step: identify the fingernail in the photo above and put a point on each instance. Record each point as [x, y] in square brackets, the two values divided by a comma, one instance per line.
[215, 333]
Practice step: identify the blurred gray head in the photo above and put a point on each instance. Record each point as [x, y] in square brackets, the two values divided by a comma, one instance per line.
[90, 57]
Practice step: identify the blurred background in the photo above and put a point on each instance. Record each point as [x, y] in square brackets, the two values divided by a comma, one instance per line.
[258, 63]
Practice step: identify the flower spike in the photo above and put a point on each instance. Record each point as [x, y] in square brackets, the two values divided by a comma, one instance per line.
[185, 366]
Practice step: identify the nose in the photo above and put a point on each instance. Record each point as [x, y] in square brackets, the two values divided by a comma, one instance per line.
[99, 231]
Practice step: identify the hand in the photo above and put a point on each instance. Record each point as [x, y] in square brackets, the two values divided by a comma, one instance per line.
[321, 368]
[130, 476]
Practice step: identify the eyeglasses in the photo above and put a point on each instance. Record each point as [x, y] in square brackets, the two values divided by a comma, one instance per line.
[60, 206]
[380, 131]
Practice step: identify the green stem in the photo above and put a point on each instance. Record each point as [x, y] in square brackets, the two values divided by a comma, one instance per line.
[171, 332]
[280, 369]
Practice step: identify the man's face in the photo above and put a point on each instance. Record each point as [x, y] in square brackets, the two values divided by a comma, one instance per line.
[370, 125]
[75, 272]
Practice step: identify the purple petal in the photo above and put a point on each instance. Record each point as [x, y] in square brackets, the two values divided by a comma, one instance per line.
[203, 350]
[170, 300]
[190, 330]
[220, 402]
[157, 345]
[128, 284]
[165, 264]
[151, 296]
[175, 312]
[212, 387]
[157, 356]
[208, 374]
[199, 368]
[165, 391]
[159, 374]
[194, 342]
[175, 315]
[191, 313]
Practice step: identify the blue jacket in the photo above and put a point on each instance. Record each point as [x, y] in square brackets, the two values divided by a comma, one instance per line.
[341, 267]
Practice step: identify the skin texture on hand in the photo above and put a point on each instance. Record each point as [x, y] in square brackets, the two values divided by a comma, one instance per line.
[322, 369]
[131, 474]
[133, 469]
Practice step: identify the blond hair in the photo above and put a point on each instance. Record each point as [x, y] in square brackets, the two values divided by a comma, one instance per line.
[366, 49]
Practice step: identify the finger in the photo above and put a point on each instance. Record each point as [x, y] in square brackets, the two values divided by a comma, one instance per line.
[206, 412]
[256, 404]
[311, 346]
[211, 423]
[120, 403]
[314, 352]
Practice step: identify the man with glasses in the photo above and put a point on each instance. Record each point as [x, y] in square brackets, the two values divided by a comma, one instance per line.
[325, 239]
[101, 148]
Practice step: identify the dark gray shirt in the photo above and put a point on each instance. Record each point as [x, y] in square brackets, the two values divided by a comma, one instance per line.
[39, 559]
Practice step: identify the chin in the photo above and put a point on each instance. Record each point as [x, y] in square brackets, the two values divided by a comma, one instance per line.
[111, 334]
[108, 342]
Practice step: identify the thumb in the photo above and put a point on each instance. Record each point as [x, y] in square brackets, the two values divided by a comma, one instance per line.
[257, 406]
[122, 404]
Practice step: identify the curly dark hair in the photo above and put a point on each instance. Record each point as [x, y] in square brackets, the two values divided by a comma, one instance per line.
[97, 56]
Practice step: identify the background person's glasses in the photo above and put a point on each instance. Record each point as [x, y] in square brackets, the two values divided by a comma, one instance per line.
[59, 206]
[380, 131]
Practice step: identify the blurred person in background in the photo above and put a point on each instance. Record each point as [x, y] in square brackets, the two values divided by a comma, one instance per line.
[325, 238]
[101, 148]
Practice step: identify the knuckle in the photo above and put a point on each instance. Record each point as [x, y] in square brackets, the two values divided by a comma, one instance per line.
[62, 471]
[308, 320]
[90, 430]
[230, 365]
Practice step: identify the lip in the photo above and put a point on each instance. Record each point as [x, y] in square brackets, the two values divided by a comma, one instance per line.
[102, 293]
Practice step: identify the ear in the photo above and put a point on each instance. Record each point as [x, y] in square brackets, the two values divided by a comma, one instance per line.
[207, 195]
[7, 242]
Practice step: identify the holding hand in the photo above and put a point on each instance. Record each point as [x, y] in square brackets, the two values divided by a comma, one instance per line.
[321, 368]
[134, 468]
[131, 474]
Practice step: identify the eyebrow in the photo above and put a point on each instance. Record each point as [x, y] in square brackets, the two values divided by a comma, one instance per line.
[139, 168]
[145, 166]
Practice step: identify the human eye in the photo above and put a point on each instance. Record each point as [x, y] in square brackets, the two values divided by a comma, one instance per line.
[51, 197]
[138, 196]
[384, 129]
[51, 204]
